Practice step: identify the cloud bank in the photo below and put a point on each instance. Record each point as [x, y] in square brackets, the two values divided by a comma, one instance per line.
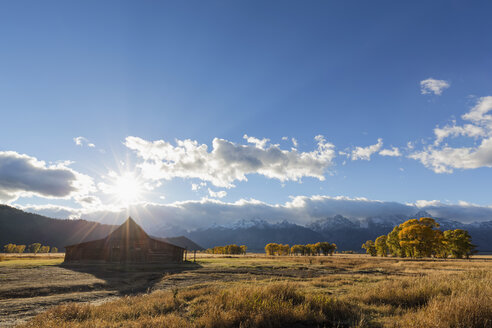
[190, 215]
[228, 162]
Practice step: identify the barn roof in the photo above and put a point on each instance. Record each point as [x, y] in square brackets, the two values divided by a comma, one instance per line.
[129, 230]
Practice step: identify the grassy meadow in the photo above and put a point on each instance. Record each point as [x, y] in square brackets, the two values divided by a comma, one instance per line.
[260, 291]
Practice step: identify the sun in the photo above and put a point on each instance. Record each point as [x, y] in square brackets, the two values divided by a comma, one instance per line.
[127, 188]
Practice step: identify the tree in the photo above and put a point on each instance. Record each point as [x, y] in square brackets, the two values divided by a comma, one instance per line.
[422, 238]
[333, 248]
[243, 249]
[418, 237]
[44, 249]
[20, 248]
[314, 249]
[458, 243]
[284, 249]
[381, 246]
[54, 250]
[9, 248]
[327, 248]
[271, 249]
[393, 242]
[297, 249]
[34, 248]
[370, 248]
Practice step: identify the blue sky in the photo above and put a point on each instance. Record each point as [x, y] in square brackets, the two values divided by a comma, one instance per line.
[349, 71]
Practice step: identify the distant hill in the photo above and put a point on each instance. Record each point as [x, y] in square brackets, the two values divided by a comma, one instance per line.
[24, 228]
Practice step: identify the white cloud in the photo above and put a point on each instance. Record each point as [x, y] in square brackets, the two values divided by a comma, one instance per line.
[364, 153]
[260, 143]
[393, 152]
[228, 162]
[285, 138]
[294, 142]
[422, 203]
[23, 176]
[480, 113]
[82, 141]
[197, 186]
[217, 194]
[433, 86]
[445, 158]
[453, 130]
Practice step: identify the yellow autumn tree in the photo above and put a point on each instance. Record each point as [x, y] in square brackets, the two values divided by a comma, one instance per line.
[419, 238]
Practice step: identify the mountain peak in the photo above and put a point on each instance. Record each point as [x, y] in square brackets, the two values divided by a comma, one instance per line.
[422, 214]
[336, 222]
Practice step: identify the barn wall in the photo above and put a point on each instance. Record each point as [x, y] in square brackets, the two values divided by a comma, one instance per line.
[130, 251]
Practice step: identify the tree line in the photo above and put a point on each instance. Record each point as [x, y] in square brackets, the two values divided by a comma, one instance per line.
[421, 238]
[33, 248]
[303, 250]
[232, 249]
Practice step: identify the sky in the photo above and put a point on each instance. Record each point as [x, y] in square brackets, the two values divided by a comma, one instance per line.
[224, 110]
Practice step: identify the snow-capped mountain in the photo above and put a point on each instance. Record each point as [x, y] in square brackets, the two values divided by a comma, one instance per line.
[246, 223]
[347, 233]
[333, 223]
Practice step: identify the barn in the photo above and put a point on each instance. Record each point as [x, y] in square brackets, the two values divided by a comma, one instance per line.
[129, 243]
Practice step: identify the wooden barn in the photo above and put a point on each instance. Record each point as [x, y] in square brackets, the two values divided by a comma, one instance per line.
[129, 243]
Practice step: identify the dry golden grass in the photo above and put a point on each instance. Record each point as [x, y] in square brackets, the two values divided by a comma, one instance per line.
[273, 305]
[467, 305]
[338, 291]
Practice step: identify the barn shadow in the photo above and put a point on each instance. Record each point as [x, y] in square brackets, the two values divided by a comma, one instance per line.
[128, 279]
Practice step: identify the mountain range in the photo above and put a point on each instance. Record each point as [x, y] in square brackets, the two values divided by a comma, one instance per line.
[19, 227]
[347, 233]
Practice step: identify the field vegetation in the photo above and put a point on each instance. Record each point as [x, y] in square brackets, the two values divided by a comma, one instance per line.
[33, 248]
[294, 291]
[232, 249]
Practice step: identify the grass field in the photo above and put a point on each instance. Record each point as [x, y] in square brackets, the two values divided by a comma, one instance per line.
[251, 291]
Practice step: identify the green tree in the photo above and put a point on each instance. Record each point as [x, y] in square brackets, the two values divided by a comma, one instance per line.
[54, 250]
[370, 248]
[333, 248]
[381, 245]
[34, 248]
[314, 249]
[393, 243]
[327, 248]
[297, 249]
[20, 248]
[9, 248]
[44, 249]
[458, 243]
